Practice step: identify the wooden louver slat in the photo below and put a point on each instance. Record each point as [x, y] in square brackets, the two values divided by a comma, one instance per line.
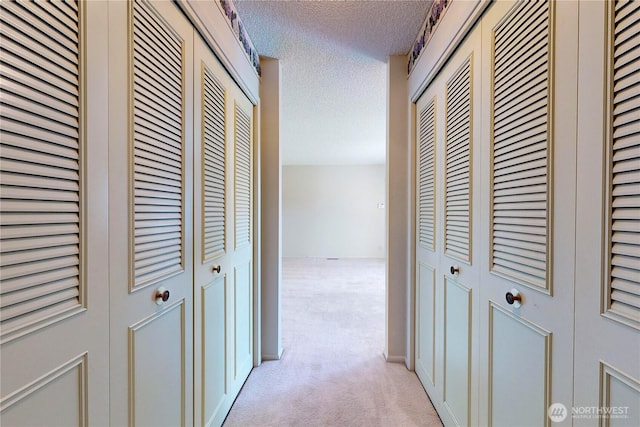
[458, 162]
[623, 274]
[426, 176]
[157, 148]
[213, 178]
[40, 186]
[242, 178]
[520, 155]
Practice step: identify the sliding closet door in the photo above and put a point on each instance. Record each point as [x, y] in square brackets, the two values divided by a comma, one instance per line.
[223, 238]
[53, 262]
[447, 295]
[527, 295]
[607, 368]
[150, 215]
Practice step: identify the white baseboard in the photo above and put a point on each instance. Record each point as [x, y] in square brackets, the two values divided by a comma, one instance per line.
[267, 357]
[394, 359]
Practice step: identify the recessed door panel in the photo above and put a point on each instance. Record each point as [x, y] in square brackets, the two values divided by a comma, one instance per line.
[520, 358]
[214, 352]
[243, 321]
[59, 398]
[157, 369]
[519, 370]
[426, 324]
[620, 397]
[457, 362]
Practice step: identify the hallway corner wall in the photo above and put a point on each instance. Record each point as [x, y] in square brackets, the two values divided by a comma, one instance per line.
[271, 201]
[397, 200]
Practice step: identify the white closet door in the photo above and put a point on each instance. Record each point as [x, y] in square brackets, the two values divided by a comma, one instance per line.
[223, 303]
[428, 136]
[213, 185]
[53, 267]
[607, 364]
[243, 240]
[446, 209]
[529, 72]
[150, 198]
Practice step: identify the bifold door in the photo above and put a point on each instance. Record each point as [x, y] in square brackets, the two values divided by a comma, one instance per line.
[607, 364]
[53, 259]
[529, 150]
[495, 219]
[448, 170]
[150, 214]
[223, 203]
[103, 109]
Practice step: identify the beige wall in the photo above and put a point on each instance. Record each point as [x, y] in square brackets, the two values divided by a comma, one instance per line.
[271, 208]
[399, 235]
[332, 211]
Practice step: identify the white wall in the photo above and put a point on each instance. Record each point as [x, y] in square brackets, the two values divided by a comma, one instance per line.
[332, 211]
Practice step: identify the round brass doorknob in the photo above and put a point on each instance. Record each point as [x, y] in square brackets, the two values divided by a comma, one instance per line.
[455, 270]
[216, 269]
[514, 298]
[162, 295]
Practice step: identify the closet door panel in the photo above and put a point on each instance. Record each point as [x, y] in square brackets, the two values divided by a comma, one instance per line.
[242, 262]
[447, 273]
[214, 275]
[151, 230]
[428, 277]
[528, 209]
[607, 372]
[223, 305]
[53, 269]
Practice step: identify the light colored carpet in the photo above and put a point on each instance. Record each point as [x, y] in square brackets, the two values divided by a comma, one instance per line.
[332, 372]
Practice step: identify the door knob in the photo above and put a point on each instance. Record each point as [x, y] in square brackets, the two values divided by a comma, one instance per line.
[162, 295]
[455, 270]
[514, 298]
[215, 269]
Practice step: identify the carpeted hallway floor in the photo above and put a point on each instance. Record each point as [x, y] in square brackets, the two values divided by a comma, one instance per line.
[332, 372]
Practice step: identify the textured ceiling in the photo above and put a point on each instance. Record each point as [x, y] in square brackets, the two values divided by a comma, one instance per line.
[333, 72]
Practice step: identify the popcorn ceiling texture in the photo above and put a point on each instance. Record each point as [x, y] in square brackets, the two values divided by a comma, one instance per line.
[333, 72]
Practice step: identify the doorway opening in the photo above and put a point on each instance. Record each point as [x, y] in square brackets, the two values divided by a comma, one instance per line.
[333, 265]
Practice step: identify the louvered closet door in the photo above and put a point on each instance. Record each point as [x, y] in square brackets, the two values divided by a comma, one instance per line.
[446, 272]
[528, 206]
[53, 289]
[243, 239]
[223, 304]
[608, 226]
[213, 182]
[428, 138]
[151, 229]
